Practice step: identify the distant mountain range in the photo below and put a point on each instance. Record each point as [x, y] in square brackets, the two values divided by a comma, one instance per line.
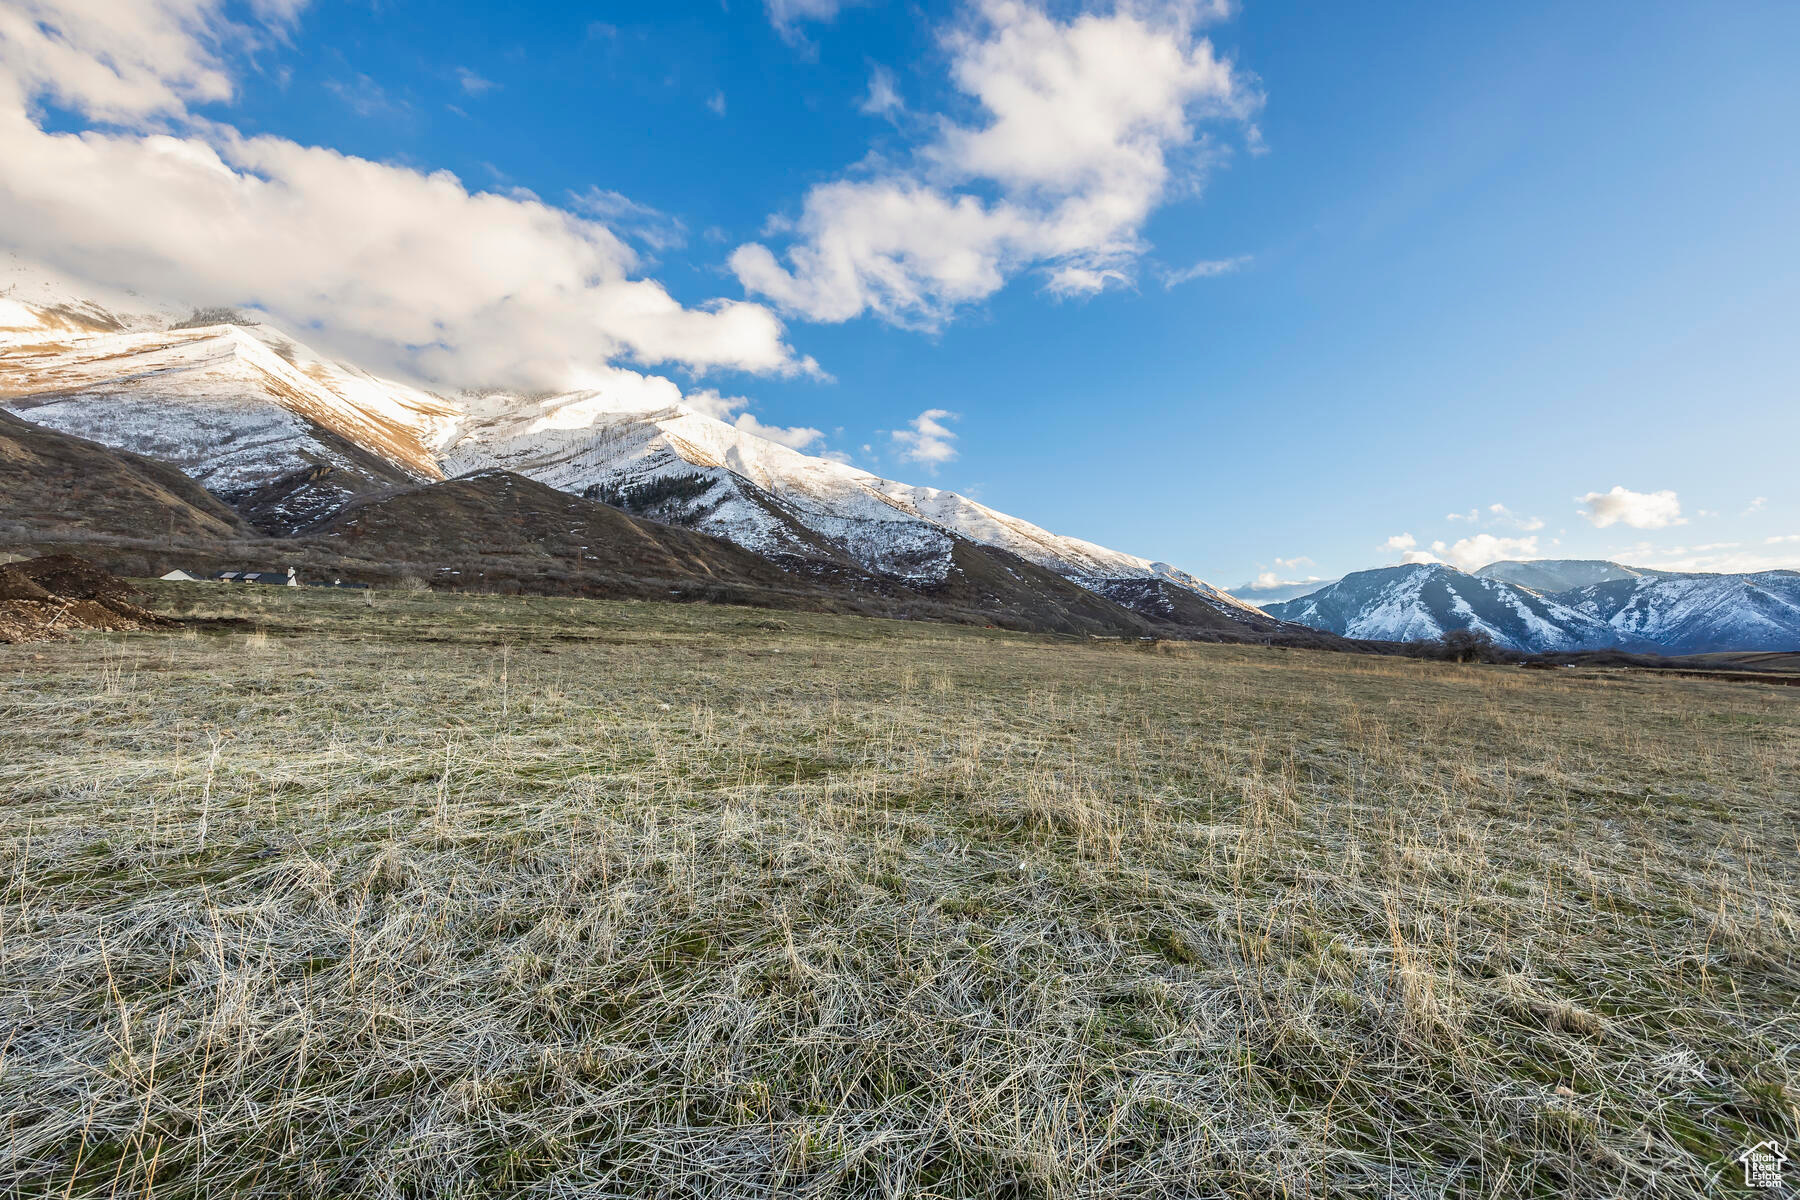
[604, 492]
[1561, 605]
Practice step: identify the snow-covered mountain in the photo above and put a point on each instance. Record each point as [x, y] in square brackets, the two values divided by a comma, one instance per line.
[1421, 601]
[1552, 575]
[1634, 608]
[689, 468]
[1695, 613]
[237, 407]
[255, 415]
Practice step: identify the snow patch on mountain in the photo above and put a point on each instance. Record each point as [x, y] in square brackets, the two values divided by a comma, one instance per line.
[233, 406]
[1422, 601]
[1697, 613]
[238, 406]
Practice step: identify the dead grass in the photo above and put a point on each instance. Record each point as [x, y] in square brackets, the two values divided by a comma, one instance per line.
[396, 895]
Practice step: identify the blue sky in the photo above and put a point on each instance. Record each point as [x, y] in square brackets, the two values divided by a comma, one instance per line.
[1470, 281]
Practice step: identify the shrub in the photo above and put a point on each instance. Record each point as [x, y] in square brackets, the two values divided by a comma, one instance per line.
[1467, 645]
[216, 315]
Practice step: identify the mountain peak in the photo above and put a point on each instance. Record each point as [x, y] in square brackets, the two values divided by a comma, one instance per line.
[249, 410]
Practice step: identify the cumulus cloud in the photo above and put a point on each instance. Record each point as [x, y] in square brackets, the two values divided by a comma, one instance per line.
[709, 402]
[1640, 510]
[1400, 541]
[123, 62]
[797, 437]
[407, 269]
[928, 442]
[1086, 124]
[1483, 548]
[1269, 580]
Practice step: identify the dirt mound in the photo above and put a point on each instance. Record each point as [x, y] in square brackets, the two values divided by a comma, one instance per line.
[16, 585]
[74, 578]
[46, 597]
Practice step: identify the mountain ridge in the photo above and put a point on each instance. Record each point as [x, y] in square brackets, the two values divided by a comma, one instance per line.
[1634, 609]
[260, 419]
[1423, 601]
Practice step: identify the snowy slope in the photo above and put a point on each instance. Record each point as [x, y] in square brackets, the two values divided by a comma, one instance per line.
[233, 406]
[1422, 601]
[1697, 614]
[692, 469]
[247, 411]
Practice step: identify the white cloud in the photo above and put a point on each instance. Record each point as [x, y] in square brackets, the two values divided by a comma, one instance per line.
[928, 442]
[1471, 516]
[1269, 579]
[1640, 510]
[1755, 505]
[708, 402]
[1483, 548]
[474, 84]
[716, 103]
[124, 62]
[1400, 541]
[406, 269]
[1419, 556]
[1206, 268]
[798, 437]
[883, 98]
[1086, 124]
[1295, 563]
[1781, 538]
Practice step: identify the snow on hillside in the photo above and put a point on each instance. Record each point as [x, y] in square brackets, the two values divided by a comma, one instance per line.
[231, 405]
[691, 468]
[694, 470]
[1421, 601]
[1695, 613]
[237, 406]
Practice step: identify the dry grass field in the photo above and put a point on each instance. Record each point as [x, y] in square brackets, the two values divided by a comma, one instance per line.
[418, 895]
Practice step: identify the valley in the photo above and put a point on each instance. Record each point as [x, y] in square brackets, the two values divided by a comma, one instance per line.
[493, 894]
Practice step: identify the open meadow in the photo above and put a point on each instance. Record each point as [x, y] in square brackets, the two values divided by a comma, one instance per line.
[388, 894]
